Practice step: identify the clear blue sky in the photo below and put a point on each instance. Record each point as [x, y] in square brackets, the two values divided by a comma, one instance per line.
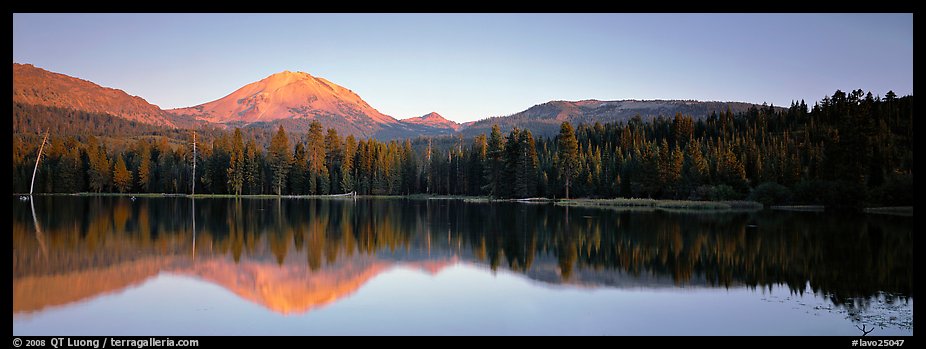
[471, 66]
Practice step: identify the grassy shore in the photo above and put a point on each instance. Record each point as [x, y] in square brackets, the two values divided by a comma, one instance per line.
[799, 208]
[906, 211]
[662, 204]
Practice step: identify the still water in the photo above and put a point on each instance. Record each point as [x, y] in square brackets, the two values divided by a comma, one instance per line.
[160, 266]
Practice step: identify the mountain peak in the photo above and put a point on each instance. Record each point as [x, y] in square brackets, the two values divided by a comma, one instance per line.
[288, 73]
[286, 77]
[294, 95]
[433, 116]
[432, 119]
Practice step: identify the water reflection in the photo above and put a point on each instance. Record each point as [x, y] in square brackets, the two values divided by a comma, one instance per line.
[292, 256]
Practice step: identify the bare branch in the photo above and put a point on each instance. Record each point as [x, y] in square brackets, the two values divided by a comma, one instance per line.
[864, 329]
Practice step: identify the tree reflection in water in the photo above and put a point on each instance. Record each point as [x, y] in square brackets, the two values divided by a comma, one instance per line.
[292, 255]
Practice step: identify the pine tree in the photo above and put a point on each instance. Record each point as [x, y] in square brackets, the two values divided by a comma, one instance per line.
[164, 166]
[297, 174]
[476, 165]
[682, 130]
[144, 168]
[526, 183]
[697, 170]
[122, 177]
[236, 164]
[675, 168]
[218, 160]
[70, 174]
[429, 170]
[279, 158]
[495, 163]
[409, 169]
[99, 172]
[568, 153]
[324, 182]
[509, 178]
[364, 167]
[730, 170]
[348, 173]
[315, 148]
[252, 166]
[461, 177]
[205, 162]
[333, 158]
[347, 180]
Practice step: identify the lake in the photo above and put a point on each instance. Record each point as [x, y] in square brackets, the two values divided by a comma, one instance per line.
[167, 266]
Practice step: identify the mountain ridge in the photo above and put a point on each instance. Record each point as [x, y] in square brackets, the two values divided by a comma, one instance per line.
[37, 86]
[545, 118]
[294, 99]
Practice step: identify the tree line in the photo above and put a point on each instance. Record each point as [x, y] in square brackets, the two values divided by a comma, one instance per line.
[849, 149]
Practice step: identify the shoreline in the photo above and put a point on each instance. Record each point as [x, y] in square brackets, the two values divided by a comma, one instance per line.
[685, 205]
[579, 202]
[614, 203]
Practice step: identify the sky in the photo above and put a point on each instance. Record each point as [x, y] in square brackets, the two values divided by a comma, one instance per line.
[472, 66]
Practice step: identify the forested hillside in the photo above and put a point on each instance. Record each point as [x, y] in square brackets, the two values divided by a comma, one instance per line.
[848, 150]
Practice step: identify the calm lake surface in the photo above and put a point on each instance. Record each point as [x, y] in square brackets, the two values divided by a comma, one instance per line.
[113, 266]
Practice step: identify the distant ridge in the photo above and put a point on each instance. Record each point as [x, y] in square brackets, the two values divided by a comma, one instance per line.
[37, 86]
[545, 118]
